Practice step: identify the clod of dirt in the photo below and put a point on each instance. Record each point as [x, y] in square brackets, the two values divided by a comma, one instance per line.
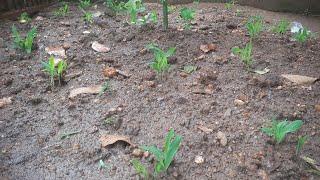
[111, 139]
[199, 159]
[149, 76]
[109, 72]
[207, 76]
[208, 47]
[201, 57]
[100, 47]
[56, 51]
[231, 26]
[299, 80]
[85, 90]
[222, 138]
[5, 101]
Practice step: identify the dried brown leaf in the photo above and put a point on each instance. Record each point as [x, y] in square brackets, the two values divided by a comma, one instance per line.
[107, 140]
[85, 90]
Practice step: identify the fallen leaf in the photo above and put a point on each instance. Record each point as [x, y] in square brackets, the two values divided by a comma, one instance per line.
[100, 47]
[109, 72]
[5, 101]
[56, 51]
[317, 107]
[208, 47]
[111, 139]
[85, 90]
[299, 80]
[205, 129]
[262, 72]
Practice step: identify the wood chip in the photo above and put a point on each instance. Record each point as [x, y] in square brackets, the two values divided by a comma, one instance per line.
[85, 90]
[205, 129]
[299, 80]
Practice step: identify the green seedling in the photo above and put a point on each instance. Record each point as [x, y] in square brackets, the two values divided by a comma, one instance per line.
[150, 17]
[140, 168]
[26, 43]
[279, 129]
[189, 69]
[24, 18]
[102, 165]
[105, 87]
[68, 135]
[302, 36]
[116, 6]
[171, 9]
[88, 17]
[134, 7]
[245, 54]
[84, 3]
[165, 156]
[160, 62]
[187, 15]
[61, 68]
[230, 4]
[62, 11]
[254, 26]
[109, 121]
[54, 70]
[282, 27]
[301, 141]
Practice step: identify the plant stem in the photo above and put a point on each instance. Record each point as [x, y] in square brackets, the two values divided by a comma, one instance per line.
[165, 14]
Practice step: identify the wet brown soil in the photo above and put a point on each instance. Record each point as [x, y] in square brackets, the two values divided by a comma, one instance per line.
[31, 127]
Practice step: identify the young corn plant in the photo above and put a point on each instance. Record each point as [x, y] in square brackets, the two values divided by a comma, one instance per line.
[282, 27]
[187, 15]
[24, 18]
[50, 68]
[26, 43]
[160, 62]
[62, 11]
[116, 6]
[88, 17]
[279, 129]
[254, 26]
[164, 156]
[301, 141]
[54, 70]
[245, 54]
[302, 35]
[230, 4]
[84, 3]
[134, 7]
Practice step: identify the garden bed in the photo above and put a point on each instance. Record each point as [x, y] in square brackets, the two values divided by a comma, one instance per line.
[220, 97]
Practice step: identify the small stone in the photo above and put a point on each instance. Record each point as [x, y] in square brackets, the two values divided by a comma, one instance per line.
[201, 57]
[66, 45]
[228, 113]
[109, 72]
[238, 102]
[97, 14]
[150, 83]
[199, 159]
[222, 138]
[100, 47]
[86, 32]
[137, 153]
[5, 101]
[183, 74]
[146, 154]
[56, 51]
[39, 18]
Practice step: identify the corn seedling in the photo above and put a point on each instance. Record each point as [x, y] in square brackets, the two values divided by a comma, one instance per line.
[301, 141]
[282, 27]
[134, 7]
[160, 62]
[88, 17]
[245, 54]
[230, 4]
[116, 6]
[163, 157]
[54, 70]
[187, 15]
[140, 168]
[105, 87]
[279, 129]
[26, 43]
[302, 35]
[24, 18]
[254, 26]
[84, 3]
[62, 11]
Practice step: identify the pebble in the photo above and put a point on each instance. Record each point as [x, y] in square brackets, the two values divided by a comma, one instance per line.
[137, 153]
[222, 138]
[199, 159]
[238, 102]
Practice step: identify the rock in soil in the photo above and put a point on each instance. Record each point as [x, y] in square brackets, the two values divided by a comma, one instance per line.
[199, 159]
[222, 138]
